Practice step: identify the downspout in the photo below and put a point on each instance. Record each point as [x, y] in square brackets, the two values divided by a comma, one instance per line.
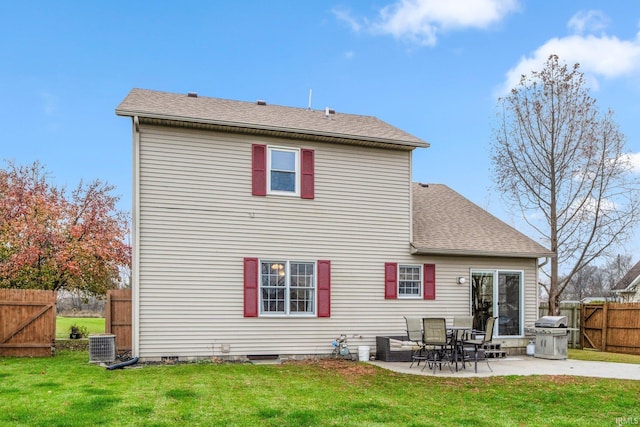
[135, 225]
[411, 198]
[545, 262]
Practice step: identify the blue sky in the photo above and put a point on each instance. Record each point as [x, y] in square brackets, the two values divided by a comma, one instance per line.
[431, 68]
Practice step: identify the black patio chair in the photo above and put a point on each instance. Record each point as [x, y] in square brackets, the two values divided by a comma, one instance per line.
[438, 347]
[414, 335]
[477, 345]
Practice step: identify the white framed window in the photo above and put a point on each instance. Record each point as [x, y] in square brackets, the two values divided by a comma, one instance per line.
[287, 288]
[283, 171]
[498, 293]
[409, 281]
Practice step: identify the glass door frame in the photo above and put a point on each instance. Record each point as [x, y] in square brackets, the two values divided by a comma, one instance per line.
[495, 303]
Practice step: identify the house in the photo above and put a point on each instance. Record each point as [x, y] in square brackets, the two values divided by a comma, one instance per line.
[627, 288]
[267, 230]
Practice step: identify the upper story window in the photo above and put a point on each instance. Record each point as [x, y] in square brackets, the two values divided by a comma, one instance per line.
[409, 281]
[283, 170]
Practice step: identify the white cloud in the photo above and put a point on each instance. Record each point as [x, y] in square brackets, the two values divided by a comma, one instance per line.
[634, 160]
[348, 55]
[345, 16]
[598, 56]
[588, 21]
[420, 21]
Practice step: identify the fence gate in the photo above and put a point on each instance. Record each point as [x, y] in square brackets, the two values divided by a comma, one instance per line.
[613, 327]
[27, 322]
[592, 326]
[118, 318]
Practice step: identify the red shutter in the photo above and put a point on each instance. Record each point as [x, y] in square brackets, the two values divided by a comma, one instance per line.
[429, 281]
[251, 287]
[259, 170]
[390, 280]
[324, 288]
[307, 181]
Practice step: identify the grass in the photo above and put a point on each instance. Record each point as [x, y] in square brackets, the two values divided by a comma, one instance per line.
[601, 356]
[67, 391]
[95, 325]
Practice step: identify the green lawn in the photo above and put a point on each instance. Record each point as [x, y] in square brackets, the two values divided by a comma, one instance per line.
[600, 356]
[67, 391]
[95, 325]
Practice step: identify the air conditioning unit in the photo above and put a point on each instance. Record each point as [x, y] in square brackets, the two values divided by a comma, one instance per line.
[102, 348]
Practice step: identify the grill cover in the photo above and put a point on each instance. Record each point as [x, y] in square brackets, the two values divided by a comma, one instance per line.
[552, 322]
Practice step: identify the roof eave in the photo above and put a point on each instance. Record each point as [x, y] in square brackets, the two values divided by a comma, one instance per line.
[272, 129]
[478, 253]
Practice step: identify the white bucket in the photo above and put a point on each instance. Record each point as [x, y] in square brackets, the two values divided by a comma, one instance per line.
[363, 353]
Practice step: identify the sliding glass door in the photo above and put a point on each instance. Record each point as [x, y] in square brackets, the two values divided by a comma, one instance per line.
[497, 293]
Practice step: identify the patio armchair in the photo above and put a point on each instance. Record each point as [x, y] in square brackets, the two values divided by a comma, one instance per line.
[414, 335]
[438, 347]
[476, 345]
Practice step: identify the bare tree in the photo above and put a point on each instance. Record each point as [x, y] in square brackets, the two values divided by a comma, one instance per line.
[562, 162]
[614, 270]
[597, 281]
[585, 283]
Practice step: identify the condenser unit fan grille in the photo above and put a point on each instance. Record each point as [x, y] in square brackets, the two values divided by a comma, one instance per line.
[102, 348]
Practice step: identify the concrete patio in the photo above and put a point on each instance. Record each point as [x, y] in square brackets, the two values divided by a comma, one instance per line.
[525, 365]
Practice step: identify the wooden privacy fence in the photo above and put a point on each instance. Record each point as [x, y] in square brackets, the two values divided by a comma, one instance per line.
[613, 327]
[118, 318]
[27, 322]
[572, 310]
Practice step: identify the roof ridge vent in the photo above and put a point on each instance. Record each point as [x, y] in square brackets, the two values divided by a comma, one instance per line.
[328, 111]
[261, 102]
[192, 94]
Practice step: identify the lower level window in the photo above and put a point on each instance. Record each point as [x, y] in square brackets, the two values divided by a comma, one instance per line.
[409, 281]
[287, 287]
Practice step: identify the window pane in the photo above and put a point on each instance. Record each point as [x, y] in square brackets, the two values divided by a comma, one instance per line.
[273, 273]
[301, 296]
[273, 282]
[283, 160]
[301, 301]
[409, 283]
[272, 300]
[481, 299]
[509, 303]
[283, 181]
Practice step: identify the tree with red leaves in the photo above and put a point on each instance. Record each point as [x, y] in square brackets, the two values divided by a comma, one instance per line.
[53, 240]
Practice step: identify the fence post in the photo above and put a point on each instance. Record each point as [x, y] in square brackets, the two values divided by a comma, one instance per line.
[605, 322]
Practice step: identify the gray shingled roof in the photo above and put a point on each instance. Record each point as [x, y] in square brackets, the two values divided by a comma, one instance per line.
[270, 118]
[444, 222]
[628, 278]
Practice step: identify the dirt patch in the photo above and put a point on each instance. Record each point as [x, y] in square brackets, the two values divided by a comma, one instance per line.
[346, 368]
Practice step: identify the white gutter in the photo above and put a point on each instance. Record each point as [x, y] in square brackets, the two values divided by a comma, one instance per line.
[269, 128]
[481, 253]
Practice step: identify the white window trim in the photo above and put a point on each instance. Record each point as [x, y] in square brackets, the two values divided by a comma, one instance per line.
[287, 297]
[496, 309]
[297, 179]
[420, 282]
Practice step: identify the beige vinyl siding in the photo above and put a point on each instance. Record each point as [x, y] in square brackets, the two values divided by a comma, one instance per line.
[198, 220]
